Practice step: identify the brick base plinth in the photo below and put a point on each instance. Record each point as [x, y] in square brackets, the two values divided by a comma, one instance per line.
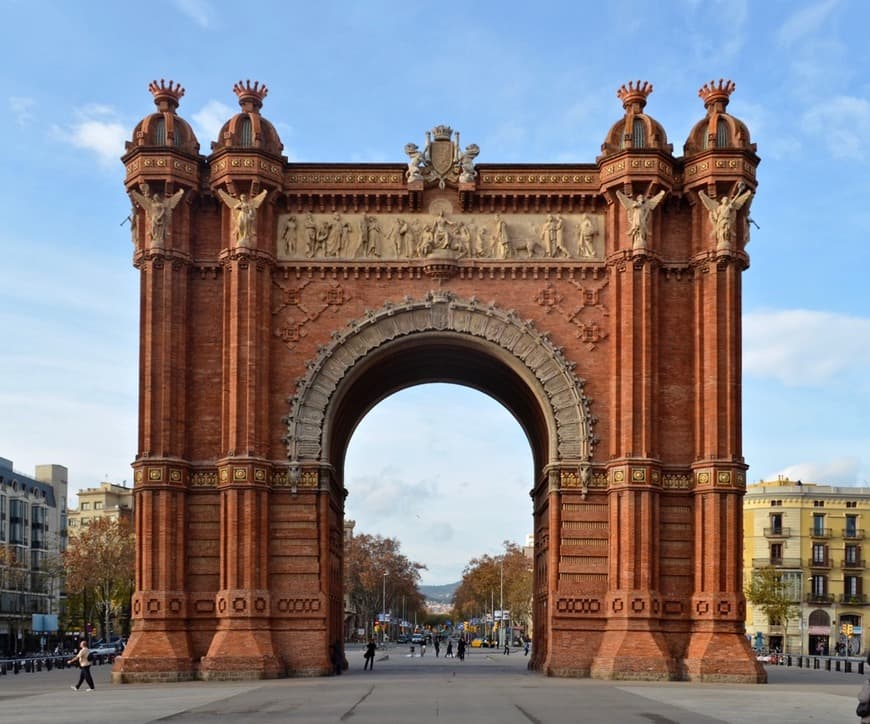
[637, 655]
[238, 653]
[155, 655]
[726, 657]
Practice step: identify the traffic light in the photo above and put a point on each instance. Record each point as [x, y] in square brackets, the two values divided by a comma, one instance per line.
[849, 629]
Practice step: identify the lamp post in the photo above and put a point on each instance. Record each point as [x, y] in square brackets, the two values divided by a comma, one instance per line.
[384, 607]
[501, 632]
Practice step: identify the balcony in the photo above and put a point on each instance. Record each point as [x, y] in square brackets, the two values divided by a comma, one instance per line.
[776, 562]
[853, 564]
[853, 534]
[820, 599]
[857, 599]
[815, 563]
[780, 532]
[820, 532]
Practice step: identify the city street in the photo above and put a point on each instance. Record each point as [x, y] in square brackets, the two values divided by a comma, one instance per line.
[487, 687]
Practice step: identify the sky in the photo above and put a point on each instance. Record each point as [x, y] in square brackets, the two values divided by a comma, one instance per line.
[356, 81]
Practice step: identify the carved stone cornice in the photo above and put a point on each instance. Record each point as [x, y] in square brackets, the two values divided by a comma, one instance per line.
[157, 258]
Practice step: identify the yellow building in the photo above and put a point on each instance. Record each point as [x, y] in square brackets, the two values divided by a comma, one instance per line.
[108, 501]
[814, 536]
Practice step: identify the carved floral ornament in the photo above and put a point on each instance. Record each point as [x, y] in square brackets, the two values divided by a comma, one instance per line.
[559, 388]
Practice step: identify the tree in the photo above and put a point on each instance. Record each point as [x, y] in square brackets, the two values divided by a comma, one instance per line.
[771, 594]
[489, 581]
[366, 559]
[100, 562]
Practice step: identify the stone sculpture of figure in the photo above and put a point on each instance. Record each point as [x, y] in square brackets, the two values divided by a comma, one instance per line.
[244, 215]
[553, 236]
[158, 210]
[467, 174]
[310, 235]
[482, 242]
[416, 162]
[401, 236]
[288, 235]
[587, 233]
[441, 231]
[427, 240]
[639, 211]
[370, 231]
[501, 242]
[723, 216]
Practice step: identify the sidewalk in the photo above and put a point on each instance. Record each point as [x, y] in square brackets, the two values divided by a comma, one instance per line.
[487, 688]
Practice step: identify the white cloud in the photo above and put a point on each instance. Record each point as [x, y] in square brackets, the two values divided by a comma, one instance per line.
[208, 122]
[843, 122]
[805, 22]
[840, 471]
[97, 130]
[805, 348]
[200, 11]
[21, 107]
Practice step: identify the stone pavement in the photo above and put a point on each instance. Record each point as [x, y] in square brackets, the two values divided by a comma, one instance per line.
[487, 688]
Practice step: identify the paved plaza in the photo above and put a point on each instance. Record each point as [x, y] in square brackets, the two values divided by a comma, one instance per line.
[488, 687]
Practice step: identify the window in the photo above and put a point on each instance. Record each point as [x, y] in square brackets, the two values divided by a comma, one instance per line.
[86, 506]
[722, 133]
[819, 586]
[160, 132]
[851, 526]
[818, 503]
[820, 553]
[776, 522]
[246, 134]
[775, 503]
[851, 503]
[776, 554]
[852, 554]
[638, 134]
[851, 586]
[98, 506]
[17, 521]
[818, 523]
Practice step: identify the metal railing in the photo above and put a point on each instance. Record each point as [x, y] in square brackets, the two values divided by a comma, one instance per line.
[779, 532]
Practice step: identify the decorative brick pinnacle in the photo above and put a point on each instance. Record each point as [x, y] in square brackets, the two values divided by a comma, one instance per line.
[634, 94]
[250, 96]
[717, 94]
[166, 95]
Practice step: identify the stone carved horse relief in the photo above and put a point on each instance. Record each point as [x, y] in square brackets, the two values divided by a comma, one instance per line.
[335, 235]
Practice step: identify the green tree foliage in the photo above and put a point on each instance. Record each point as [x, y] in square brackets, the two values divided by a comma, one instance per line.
[773, 596]
[484, 579]
[366, 559]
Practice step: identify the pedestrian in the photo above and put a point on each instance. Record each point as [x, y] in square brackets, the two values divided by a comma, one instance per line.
[507, 647]
[337, 658]
[460, 649]
[437, 646]
[449, 653]
[84, 661]
[526, 648]
[422, 648]
[370, 655]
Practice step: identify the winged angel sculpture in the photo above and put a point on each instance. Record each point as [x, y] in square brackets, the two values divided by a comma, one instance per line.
[639, 210]
[244, 215]
[158, 210]
[723, 216]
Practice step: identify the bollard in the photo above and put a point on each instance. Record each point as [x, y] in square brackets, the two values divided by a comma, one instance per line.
[816, 663]
[827, 665]
[860, 667]
[848, 667]
[49, 664]
[837, 665]
[17, 667]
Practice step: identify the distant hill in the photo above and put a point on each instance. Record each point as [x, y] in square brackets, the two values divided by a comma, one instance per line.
[439, 594]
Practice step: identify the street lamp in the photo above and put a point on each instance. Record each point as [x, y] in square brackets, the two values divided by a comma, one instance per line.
[384, 607]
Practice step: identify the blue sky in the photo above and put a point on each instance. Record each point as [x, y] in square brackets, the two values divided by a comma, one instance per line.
[527, 82]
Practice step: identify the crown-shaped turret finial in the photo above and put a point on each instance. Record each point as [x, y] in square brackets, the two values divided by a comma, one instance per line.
[250, 95]
[716, 95]
[166, 95]
[634, 94]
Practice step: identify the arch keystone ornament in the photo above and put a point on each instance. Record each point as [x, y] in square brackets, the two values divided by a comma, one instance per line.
[285, 300]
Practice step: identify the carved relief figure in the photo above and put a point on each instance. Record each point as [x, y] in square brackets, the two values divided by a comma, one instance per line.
[244, 215]
[501, 242]
[553, 236]
[310, 235]
[370, 232]
[723, 216]
[467, 174]
[482, 242]
[288, 235]
[586, 235]
[639, 211]
[441, 232]
[158, 211]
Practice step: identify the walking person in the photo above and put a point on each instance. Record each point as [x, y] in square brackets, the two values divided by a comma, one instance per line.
[863, 709]
[449, 653]
[422, 648]
[83, 658]
[507, 647]
[370, 655]
[460, 649]
[437, 646]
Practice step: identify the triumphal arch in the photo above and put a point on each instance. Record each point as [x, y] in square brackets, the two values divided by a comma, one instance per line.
[599, 302]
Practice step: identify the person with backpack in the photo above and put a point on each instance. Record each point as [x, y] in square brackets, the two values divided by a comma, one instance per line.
[84, 660]
[369, 655]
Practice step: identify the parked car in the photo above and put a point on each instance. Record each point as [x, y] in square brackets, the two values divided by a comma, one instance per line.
[402, 639]
[113, 649]
[480, 643]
